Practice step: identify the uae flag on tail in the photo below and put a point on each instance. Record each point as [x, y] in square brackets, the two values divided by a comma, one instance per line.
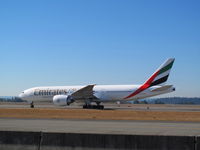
[159, 77]
[162, 74]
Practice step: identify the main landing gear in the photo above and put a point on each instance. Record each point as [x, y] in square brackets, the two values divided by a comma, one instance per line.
[31, 105]
[89, 106]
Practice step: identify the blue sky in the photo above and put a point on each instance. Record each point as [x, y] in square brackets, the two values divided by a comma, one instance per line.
[76, 42]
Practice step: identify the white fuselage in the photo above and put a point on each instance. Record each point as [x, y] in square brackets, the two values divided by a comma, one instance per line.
[103, 93]
[65, 95]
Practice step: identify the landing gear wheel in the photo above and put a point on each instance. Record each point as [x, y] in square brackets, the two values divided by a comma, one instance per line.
[101, 107]
[31, 105]
[93, 107]
[87, 106]
[98, 106]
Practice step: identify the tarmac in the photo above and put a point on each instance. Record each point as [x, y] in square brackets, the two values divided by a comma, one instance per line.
[104, 126]
[101, 126]
[108, 106]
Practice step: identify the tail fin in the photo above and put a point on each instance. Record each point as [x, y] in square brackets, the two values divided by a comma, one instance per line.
[162, 73]
[159, 77]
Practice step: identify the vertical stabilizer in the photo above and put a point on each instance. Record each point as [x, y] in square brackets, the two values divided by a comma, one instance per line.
[162, 73]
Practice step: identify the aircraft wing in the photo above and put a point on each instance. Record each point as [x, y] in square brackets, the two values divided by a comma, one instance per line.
[162, 88]
[84, 93]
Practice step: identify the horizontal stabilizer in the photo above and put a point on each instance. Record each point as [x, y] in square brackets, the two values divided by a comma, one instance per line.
[162, 88]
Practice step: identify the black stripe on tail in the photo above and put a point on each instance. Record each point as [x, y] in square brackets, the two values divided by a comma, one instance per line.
[159, 81]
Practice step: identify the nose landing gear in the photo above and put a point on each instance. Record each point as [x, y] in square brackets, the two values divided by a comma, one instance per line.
[31, 105]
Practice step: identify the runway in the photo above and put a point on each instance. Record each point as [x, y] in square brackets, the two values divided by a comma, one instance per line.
[118, 125]
[102, 126]
[149, 107]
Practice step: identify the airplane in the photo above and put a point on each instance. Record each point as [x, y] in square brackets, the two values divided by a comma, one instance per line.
[65, 95]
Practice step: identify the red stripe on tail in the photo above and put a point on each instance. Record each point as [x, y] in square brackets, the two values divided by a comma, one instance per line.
[144, 86]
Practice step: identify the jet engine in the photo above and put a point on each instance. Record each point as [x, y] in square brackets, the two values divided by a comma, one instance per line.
[62, 100]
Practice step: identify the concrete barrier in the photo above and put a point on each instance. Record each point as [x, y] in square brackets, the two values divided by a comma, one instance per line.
[13, 140]
[59, 141]
[197, 143]
[106, 141]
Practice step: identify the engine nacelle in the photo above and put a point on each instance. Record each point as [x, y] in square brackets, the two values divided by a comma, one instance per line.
[62, 100]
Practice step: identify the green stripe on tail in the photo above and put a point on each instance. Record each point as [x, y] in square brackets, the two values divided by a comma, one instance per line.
[166, 68]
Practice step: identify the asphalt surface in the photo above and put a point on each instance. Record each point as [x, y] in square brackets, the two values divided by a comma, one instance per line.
[152, 107]
[104, 126]
[101, 126]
